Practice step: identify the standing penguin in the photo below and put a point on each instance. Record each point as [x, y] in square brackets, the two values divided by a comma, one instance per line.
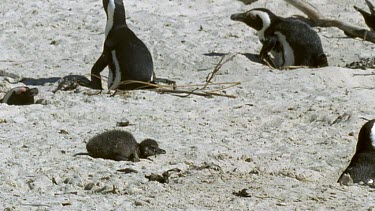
[290, 42]
[362, 165]
[21, 95]
[369, 17]
[127, 57]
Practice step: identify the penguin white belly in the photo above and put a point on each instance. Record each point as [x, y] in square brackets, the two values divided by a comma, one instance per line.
[287, 55]
[114, 82]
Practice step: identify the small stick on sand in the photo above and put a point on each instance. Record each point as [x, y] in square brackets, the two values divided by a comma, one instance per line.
[218, 66]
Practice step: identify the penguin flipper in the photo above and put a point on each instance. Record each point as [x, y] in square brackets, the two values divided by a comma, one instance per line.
[100, 64]
[269, 44]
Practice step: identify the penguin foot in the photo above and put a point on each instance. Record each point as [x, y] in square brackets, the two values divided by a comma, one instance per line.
[322, 60]
[165, 81]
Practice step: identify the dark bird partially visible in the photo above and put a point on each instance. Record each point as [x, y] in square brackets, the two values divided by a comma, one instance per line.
[369, 17]
[362, 165]
[21, 95]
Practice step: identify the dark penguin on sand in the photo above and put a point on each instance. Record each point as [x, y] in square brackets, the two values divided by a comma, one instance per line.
[124, 53]
[369, 17]
[21, 95]
[362, 165]
[121, 146]
[289, 41]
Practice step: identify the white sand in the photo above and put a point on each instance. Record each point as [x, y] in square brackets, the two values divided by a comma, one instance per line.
[275, 139]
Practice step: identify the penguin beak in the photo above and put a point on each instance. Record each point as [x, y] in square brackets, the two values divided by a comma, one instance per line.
[31, 92]
[159, 151]
[238, 17]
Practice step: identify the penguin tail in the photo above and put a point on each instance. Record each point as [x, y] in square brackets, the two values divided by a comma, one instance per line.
[322, 60]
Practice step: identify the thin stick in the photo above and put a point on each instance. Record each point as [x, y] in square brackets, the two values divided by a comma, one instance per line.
[218, 66]
[267, 63]
[369, 74]
[193, 92]
[227, 87]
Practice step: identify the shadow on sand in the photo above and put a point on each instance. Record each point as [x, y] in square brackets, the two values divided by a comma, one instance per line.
[252, 57]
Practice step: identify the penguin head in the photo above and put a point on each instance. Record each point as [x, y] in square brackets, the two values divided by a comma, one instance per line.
[259, 19]
[149, 147]
[366, 137]
[115, 11]
[22, 95]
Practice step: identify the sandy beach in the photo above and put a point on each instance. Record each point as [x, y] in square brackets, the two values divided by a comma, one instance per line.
[286, 136]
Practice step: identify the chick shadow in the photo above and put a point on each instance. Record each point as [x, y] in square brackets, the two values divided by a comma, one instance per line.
[252, 57]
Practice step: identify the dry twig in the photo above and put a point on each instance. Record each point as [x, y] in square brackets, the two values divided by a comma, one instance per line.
[218, 66]
[200, 89]
[322, 21]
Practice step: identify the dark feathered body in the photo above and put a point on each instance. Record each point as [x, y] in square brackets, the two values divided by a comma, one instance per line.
[114, 145]
[22, 95]
[134, 58]
[362, 166]
[305, 42]
[290, 42]
[121, 146]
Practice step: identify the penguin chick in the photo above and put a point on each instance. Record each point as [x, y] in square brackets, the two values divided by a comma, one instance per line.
[286, 41]
[369, 17]
[149, 147]
[120, 146]
[362, 165]
[21, 95]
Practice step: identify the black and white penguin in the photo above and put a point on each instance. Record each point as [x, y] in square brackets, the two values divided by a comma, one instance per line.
[369, 17]
[289, 41]
[124, 53]
[21, 95]
[362, 166]
[121, 146]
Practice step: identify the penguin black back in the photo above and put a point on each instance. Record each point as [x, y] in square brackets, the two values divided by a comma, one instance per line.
[305, 42]
[362, 166]
[22, 95]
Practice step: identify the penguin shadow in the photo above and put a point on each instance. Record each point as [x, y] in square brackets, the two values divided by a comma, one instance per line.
[252, 57]
[39, 81]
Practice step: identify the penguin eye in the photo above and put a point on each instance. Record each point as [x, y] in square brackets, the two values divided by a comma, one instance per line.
[251, 15]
